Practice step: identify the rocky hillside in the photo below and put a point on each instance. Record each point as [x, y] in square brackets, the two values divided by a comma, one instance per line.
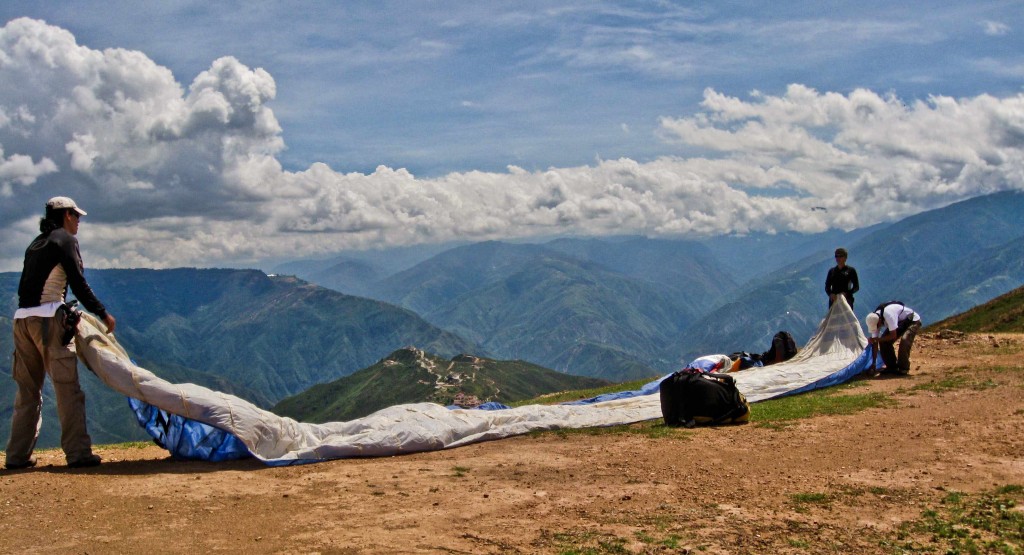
[411, 375]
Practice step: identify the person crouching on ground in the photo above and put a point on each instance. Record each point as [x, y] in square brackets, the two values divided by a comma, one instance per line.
[888, 323]
[52, 263]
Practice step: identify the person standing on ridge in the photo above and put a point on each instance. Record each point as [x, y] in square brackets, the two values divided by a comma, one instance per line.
[52, 263]
[841, 280]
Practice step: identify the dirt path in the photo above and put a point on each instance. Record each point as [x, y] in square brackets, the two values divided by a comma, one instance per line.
[829, 484]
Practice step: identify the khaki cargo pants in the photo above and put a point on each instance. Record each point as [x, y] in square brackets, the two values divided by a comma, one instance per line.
[900, 364]
[38, 352]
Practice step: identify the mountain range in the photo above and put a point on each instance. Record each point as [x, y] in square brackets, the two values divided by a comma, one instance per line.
[940, 262]
[567, 305]
[629, 307]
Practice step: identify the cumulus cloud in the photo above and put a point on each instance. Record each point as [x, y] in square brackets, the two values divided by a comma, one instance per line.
[864, 156]
[19, 169]
[111, 119]
[175, 175]
[995, 28]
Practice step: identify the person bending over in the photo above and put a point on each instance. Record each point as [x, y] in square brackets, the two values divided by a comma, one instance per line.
[890, 322]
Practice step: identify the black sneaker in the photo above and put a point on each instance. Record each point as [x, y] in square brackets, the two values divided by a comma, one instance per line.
[18, 466]
[91, 460]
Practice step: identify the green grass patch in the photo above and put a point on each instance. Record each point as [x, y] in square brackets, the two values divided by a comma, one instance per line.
[1005, 369]
[962, 378]
[671, 542]
[576, 395]
[595, 543]
[834, 400]
[459, 471]
[1004, 313]
[949, 383]
[808, 498]
[773, 413]
[968, 523]
[803, 501]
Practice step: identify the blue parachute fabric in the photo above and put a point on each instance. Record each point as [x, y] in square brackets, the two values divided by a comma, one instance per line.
[187, 439]
[748, 362]
[493, 405]
[647, 389]
[861, 364]
[489, 405]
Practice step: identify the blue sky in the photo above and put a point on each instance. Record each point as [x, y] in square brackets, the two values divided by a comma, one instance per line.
[453, 86]
[386, 123]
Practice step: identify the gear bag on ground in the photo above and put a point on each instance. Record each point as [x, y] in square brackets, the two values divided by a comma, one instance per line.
[691, 398]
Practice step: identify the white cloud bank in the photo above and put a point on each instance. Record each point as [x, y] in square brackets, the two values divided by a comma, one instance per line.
[175, 176]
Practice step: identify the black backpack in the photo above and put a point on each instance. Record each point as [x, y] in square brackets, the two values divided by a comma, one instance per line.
[881, 308]
[901, 326]
[695, 398]
[783, 348]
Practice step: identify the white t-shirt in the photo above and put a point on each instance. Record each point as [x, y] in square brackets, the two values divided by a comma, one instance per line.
[896, 313]
[45, 310]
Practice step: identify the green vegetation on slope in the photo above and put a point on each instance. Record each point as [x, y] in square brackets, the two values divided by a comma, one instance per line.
[1003, 314]
[410, 375]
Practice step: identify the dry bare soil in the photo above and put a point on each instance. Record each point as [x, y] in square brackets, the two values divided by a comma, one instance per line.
[881, 480]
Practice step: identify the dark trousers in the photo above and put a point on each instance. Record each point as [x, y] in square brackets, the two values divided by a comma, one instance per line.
[900, 364]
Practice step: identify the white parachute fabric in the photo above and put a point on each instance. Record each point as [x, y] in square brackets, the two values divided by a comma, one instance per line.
[838, 344]
[409, 428]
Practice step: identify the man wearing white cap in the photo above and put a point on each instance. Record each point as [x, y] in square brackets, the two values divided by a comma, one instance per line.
[52, 263]
[891, 321]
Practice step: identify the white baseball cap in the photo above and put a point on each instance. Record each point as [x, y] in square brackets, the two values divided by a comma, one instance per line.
[872, 322]
[58, 203]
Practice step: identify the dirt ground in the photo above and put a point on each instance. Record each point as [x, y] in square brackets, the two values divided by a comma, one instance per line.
[827, 484]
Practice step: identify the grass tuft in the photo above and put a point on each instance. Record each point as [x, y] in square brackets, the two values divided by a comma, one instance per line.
[580, 394]
[959, 378]
[968, 523]
[831, 401]
[597, 543]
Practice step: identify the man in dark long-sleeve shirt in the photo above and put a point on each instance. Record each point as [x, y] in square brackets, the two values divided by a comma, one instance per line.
[52, 263]
[841, 280]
